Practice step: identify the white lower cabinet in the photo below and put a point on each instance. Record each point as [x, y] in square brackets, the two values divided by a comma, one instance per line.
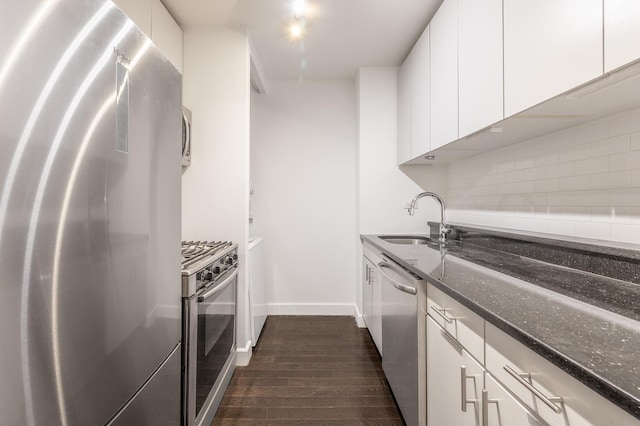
[372, 296]
[502, 409]
[547, 391]
[474, 366]
[454, 381]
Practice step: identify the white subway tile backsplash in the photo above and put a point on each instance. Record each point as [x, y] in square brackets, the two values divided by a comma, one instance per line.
[592, 198]
[625, 197]
[525, 187]
[527, 163]
[578, 152]
[575, 183]
[581, 182]
[561, 199]
[591, 166]
[625, 161]
[560, 170]
[610, 146]
[610, 180]
[634, 142]
[547, 185]
[625, 125]
[589, 133]
[547, 159]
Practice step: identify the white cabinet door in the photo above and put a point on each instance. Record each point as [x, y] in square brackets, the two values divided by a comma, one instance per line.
[366, 292]
[621, 33]
[166, 34]
[454, 381]
[139, 11]
[502, 409]
[444, 74]
[372, 301]
[480, 64]
[420, 97]
[550, 46]
[376, 307]
[404, 112]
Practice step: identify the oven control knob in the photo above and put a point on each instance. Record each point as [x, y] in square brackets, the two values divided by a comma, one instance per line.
[207, 275]
[216, 270]
[228, 260]
[235, 256]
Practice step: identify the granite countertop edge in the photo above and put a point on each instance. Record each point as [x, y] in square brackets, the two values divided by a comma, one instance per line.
[583, 374]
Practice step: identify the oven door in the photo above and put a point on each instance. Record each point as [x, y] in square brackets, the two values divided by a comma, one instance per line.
[212, 325]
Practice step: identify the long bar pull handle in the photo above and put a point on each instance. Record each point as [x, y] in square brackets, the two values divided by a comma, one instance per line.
[549, 401]
[463, 389]
[485, 407]
[400, 286]
[443, 313]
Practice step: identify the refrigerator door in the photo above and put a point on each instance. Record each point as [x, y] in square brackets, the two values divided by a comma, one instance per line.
[153, 405]
[89, 211]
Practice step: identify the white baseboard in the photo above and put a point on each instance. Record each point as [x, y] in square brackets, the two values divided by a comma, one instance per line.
[359, 317]
[243, 355]
[332, 309]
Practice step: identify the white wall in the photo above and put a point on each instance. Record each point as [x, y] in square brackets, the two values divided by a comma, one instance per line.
[303, 156]
[383, 188]
[582, 182]
[215, 188]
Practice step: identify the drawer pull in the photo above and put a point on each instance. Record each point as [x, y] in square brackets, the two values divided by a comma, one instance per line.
[485, 407]
[442, 312]
[463, 389]
[549, 401]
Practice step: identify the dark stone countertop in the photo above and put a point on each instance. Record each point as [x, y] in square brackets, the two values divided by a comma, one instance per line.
[585, 322]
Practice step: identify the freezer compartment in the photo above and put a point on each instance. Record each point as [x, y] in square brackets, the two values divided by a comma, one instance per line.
[158, 402]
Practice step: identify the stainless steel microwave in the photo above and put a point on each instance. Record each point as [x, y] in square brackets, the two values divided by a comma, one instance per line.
[186, 137]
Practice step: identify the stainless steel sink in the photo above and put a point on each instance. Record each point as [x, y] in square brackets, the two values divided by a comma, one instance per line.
[409, 240]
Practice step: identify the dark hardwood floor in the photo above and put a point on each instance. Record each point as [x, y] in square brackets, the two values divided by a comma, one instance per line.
[310, 370]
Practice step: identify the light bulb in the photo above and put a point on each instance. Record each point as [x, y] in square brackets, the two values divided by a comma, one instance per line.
[296, 30]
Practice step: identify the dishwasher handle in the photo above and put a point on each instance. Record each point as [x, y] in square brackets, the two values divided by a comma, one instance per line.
[400, 286]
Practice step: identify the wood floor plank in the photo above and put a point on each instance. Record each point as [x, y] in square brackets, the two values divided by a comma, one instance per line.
[310, 370]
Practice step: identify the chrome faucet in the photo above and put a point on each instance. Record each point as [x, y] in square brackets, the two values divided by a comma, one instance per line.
[444, 229]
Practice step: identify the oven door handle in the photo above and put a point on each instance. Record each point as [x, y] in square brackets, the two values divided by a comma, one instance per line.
[207, 294]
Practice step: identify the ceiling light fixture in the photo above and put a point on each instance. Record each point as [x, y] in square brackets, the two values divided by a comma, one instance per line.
[296, 30]
[299, 7]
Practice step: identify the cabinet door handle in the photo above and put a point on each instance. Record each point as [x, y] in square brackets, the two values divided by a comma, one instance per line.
[442, 312]
[367, 274]
[463, 388]
[549, 401]
[485, 407]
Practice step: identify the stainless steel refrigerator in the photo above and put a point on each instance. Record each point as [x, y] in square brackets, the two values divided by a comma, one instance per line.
[90, 166]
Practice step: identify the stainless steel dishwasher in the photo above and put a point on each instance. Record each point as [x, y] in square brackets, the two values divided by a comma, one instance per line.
[403, 342]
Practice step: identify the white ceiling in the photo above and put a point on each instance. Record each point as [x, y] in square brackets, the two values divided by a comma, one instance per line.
[340, 36]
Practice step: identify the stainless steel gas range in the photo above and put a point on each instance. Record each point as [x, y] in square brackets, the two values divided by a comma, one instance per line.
[209, 281]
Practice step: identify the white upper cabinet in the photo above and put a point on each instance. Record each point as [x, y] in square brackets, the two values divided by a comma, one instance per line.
[139, 11]
[621, 33]
[413, 102]
[404, 111]
[166, 34]
[420, 97]
[444, 74]
[550, 46]
[480, 76]
[157, 23]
